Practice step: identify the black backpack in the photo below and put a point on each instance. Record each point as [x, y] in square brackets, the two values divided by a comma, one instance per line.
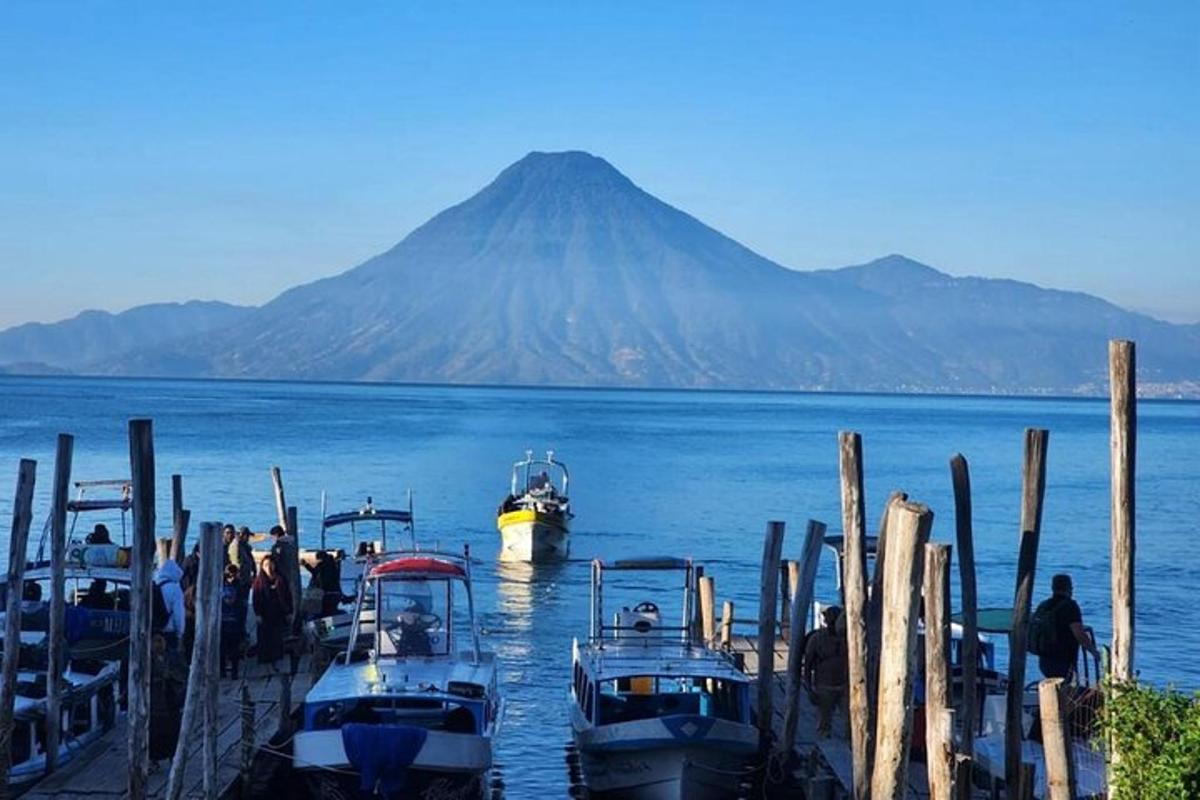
[1043, 627]
[159, 612]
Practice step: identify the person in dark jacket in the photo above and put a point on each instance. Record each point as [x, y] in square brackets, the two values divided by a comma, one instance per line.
[1065, 631]
[325, 576]
[233, 621]
[272, 606]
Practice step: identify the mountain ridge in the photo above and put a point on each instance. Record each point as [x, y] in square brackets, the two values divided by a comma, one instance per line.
[562, 271]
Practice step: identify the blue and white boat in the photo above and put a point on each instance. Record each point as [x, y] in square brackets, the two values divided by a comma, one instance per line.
[655, 714]
[415, 714]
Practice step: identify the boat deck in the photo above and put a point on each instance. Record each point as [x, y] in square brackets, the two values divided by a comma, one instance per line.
[102, 771]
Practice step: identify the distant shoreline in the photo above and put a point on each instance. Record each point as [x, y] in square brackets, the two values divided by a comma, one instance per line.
[1190, 397]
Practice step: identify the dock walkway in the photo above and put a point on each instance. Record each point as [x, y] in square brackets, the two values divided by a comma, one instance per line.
[102, 771]
[830, 756]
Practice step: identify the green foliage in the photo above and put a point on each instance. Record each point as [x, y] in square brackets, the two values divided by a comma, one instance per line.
[1157, 733]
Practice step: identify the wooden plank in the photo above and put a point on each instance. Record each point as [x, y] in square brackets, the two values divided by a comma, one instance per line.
[17, 541]
[939, 729]
[141, 569]
[56, 635]
[772, 549]
[1033, 492]
[854, 587]
[961, 477]
[909, 530]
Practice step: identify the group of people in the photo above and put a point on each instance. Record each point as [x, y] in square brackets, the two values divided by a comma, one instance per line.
[1057, 633]
[257, 606]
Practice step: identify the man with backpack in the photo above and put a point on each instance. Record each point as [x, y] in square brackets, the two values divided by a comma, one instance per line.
[1056, 631]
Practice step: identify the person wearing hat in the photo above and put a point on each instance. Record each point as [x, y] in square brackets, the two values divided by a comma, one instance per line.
[825, 667]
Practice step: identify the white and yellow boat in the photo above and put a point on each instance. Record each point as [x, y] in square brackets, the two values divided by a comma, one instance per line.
[534, 520]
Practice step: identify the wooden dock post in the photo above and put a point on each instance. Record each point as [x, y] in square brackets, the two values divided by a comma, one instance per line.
[908, 531]
[141, 570]
[212, 657]
[785, 598]
[1033, 492]
[802, 590]
[727, 625]
[1123, 440]
[854, 588]
[939, 731]
[708, 610]
[180, 517]
[772, 549]
[1056, 741]
[874, 612]
[280, 501]
[199, 675]
[18, 538]
[293, 567]
[961, 477]
[56, 637]
[285, 705]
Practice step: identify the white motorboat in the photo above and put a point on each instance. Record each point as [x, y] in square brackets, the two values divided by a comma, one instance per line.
[416, 713]
[656, 715]
[534, 519]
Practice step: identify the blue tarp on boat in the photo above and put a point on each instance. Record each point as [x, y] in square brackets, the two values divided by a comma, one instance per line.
[382, 753]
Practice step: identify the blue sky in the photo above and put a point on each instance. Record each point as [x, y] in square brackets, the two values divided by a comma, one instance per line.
[171, 151]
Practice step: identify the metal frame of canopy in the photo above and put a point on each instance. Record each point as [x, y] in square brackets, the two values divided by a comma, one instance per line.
[369, 514]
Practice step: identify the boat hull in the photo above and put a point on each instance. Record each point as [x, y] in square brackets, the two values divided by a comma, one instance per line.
[661, 759]
[532, 536]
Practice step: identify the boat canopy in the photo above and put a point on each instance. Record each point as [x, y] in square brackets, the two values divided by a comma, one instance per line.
[416, 565]
[989, 620]
[539, 475]
[368, 515]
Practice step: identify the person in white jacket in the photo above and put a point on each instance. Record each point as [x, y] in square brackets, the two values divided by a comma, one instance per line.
[167, 578]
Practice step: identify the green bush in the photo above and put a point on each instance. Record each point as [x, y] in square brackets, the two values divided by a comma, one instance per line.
[1157, 733]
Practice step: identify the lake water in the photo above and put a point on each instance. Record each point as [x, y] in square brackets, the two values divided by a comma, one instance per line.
[679, 473]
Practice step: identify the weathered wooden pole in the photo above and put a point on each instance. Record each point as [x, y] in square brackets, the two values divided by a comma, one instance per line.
[293, 529]
[854, 588]
[802, 591]
[875, 601]
[939, 733]
[285, 704]
[199, 675]
[697, 620]
[56, 635]
[708, 611]
[280, 501]
[1122, 365]
[772, 548]
[907, 532]
[212, 657]
[1056, 741]
[727, 625]
[1033, 492]
[141, 571]
[961, 477]
[18, 537]
[180, 517]
[963, 785]
[785, 598]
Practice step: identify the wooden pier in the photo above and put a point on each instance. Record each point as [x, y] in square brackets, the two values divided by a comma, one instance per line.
[102, 772]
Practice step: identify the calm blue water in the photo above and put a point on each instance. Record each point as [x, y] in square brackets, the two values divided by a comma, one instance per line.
[682, 473]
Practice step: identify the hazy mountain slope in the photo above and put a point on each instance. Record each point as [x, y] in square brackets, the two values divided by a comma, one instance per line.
[562, 271]
[98, 335]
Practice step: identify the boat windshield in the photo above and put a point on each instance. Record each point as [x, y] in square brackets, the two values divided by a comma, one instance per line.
[653, 696]
[412, 614]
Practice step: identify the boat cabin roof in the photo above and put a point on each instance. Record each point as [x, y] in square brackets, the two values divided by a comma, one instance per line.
[368, 515]
[636, 656]
[41, 572]
[646, 563]
[424, 677]
[418, 566]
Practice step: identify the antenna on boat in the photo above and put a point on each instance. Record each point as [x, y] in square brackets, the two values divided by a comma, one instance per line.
[412, 523]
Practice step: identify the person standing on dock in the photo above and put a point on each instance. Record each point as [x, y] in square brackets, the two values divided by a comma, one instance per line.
[1056, 631]
[273, 605]
[233, 621]
[167, 578]
[826, 667]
